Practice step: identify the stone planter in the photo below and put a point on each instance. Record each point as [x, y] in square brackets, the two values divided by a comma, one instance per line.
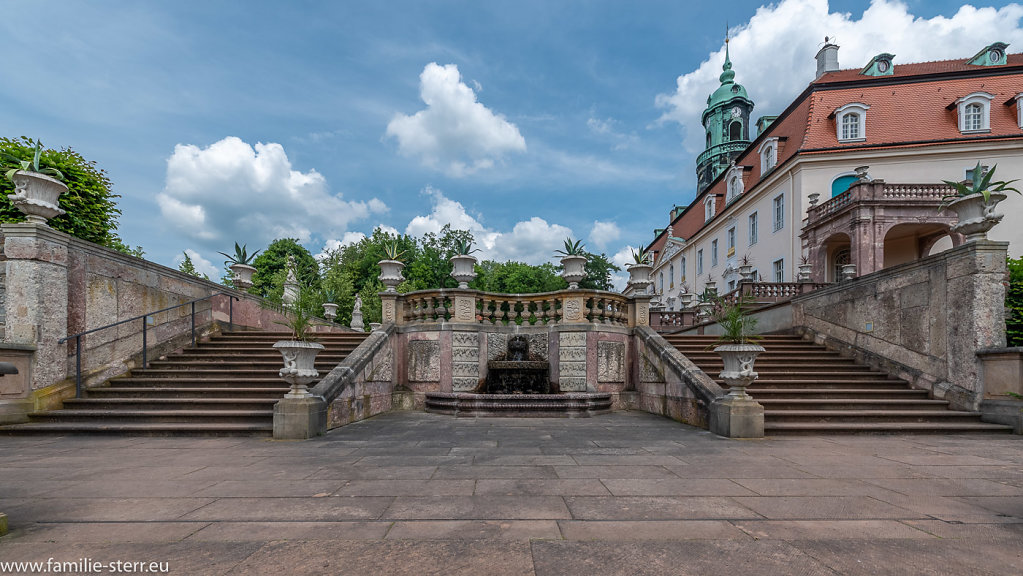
[299, 365]
[804, 273]
[746, 272]
[711, 287]
[390, 273]
[738, 370]
[639, 276]
[329, 311]
[976, 217]
[686, 299]
[374, 326]
[36, 195]
[848, 272]
[242, 275]
[704, 310]
[464, 269]
[574, 270]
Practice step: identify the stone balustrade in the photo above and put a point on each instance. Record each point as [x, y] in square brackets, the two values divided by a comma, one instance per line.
[881, 192]
[549, 308]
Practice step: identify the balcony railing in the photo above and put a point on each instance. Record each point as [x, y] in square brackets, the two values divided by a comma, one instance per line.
[596, 307]
[880, 192]
[754, 294]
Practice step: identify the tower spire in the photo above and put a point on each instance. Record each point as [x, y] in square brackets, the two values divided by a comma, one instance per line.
[727, 75]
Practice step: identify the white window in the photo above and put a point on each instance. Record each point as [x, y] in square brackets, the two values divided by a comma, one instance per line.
[682, 270]
[708, 207]
[735, 183]
[768, 155]
[731, 285]
[671, 276]
[974, 112]
[779, 212]
[731, 242]
[1019, 109]
[851, 122]
[699, 262]
[662, 283]
[713, 252]
[752, 228]
[779, 270]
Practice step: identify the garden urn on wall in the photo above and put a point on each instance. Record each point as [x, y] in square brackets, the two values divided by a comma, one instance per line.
[463, 269]
[36, 195]
[299, 365]
[974, 201]
[242, 275]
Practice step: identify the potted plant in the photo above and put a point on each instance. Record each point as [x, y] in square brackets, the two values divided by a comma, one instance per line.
[464, 263]
[737, 346]
[710, 285]
[746, 269]
[639, 270]
[299, 353]
[804, 269]
[240, 267]
[705, 303]
[573, 262]
[685, 297]
[391, 266]
[36, 189]
[329, 304]
[975, 200]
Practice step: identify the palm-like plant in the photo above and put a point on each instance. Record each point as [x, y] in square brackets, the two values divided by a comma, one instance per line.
[572, 248]
[979, 183]
[641, 256]
[736, 327]
[464, 247]
[240, 256]
[31, 165]
[299, 321]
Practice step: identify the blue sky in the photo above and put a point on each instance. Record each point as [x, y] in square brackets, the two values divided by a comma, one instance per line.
[525, 122]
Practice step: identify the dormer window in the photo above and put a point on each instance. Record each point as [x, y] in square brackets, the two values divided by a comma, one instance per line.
[1017, 101]
[993, 55]
[880, 65]
[768, 155]
[708, 208]
[851, 122]
[974, 112]
[735, 183]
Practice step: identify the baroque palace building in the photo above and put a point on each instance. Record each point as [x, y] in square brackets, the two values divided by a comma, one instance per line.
[848, 173]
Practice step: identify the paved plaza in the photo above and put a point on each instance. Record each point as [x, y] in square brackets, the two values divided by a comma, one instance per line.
[624, 493]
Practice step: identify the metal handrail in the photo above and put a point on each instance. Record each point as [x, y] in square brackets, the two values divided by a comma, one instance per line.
[143, 317]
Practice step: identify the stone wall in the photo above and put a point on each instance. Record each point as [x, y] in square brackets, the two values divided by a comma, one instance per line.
[923, 321]
[363, 384]
[668, 383]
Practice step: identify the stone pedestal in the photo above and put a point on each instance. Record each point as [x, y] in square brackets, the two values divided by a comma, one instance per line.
[36, 302]
[737, 417]
[389, 310]
[300, 418]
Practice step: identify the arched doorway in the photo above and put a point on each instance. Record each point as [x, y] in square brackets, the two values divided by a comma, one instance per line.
[908, 242]
[834, 253]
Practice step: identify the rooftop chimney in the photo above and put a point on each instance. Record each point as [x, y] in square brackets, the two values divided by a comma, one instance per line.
[827, 58]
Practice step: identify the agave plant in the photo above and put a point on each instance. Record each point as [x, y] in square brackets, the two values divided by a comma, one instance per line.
[979, 183]
[330, 296]
[31, 166]
[572, 248]
[464, 247]
[391, 251]
[240, 256]
[641, 256]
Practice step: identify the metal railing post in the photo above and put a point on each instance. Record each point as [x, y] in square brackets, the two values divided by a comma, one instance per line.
[193, 324]
[78, 366]
[145, 362]
[230, 313]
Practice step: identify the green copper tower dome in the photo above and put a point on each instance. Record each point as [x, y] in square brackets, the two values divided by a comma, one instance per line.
[726, 122]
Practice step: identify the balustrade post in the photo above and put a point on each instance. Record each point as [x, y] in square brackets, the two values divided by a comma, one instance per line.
[639, 310]
[392, 308]
[465, 307]
[573, 308]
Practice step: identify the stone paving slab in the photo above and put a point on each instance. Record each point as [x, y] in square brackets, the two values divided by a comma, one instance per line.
[623, 493]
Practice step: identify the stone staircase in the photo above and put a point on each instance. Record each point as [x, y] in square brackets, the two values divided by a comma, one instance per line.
[807, 389]
[225, 386]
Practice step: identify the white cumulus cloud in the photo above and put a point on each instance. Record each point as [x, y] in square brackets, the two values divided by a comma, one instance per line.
[455, 133]
[604, 233]
[234, 192]
[201, 265]
[532, 241]
[773, 54]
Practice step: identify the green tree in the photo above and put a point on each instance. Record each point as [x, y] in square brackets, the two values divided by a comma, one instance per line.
[271, 269]
[89, 202]
[188, 267]
[1014, 304]
[517, 278]
[598, 272]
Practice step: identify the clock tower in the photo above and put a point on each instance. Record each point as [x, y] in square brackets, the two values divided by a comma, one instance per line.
[726, 126]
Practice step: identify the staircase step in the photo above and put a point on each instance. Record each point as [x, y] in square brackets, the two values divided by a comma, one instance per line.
[162, 416]
[867, 415]
[141, 429]
[796, 404]
[882, 427]
[275, 392]
[181, 402]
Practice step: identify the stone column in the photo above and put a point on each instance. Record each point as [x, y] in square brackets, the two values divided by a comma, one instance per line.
[37, 300]
[639, 310]
[390, 309]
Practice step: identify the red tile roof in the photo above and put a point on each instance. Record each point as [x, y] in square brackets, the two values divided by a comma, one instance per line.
[919, 69]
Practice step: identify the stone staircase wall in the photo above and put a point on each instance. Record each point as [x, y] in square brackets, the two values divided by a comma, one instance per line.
[923, 321]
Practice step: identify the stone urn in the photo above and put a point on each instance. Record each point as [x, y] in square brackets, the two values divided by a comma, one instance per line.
[299, 365]
[242, 275]
[390, 273]
[463, 269]
[686, 299]
[329, 311]
[374, 326]
[804, 273]
[300, 368]
[574, 270]
[711, 287]
[738, 370]
[976, 216]
[746, 273]
[814, 197]
[704, 309]
[36, 195]
[639, 276]
[848, 271]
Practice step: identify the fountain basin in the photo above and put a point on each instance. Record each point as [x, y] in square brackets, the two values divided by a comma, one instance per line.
[567, 405]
